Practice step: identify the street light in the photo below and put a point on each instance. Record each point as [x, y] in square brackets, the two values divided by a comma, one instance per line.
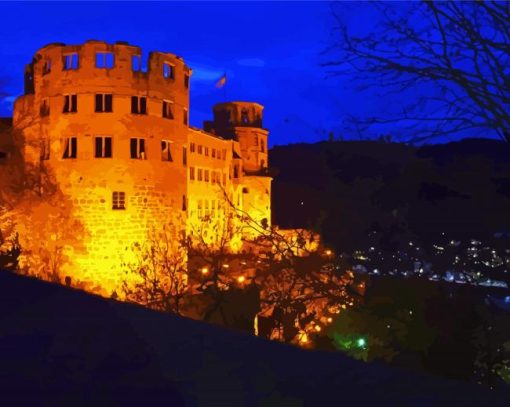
[361, 342]
[204, 270]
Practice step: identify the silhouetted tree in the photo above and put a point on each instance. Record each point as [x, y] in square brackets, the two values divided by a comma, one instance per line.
[455, 54]
[36, 217]
[158, 276]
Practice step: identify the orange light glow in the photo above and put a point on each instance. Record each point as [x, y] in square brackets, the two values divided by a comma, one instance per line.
[241, 279]
[204, 270]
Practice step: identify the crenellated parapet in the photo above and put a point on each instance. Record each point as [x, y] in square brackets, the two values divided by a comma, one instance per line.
[59, 68]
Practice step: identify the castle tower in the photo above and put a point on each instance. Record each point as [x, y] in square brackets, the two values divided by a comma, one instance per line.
[242, 122]
[115, 138]
[113, 134]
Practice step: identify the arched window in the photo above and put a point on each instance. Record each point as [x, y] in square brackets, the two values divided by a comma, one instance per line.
[244, 116]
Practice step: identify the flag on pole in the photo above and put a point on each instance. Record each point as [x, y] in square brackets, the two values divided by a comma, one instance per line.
[222, 81]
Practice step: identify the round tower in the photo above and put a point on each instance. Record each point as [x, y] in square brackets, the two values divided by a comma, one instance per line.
[114, 136]
[242, 121]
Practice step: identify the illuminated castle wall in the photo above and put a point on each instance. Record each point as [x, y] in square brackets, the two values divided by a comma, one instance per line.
[116, 137]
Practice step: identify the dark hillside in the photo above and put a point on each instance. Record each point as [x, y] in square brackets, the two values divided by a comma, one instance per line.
[63, 347]
[347, 189]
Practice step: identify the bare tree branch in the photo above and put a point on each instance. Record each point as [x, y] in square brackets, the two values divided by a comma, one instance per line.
[458, 51]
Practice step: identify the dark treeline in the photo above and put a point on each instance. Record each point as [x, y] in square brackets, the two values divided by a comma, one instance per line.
[345, 189]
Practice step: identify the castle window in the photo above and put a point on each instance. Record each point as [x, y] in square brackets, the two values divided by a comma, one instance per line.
[191, 147]
[138, 104]
[185, 117]
[236, 171]
[104, 103]
[70, 147]
[199, 208]
[45, 149]
[206, 151]
[224, 154]
[213, 207]
[206, 175]
[200, 149]
[184, 203]
[262, 146]
[192, 173]
[137, 149]
[184, 156]
[46, 66]
[118, 200]
[166, 153]
[104, 60]
[168, 109]
[186, 81]
[70, 103]
[245, 190]
[199, 174]
[213, 153]
[70, 61]
[103, 147]
[244, 116]
[136, 63]
[168, 71]
[45, 108]
[206, 207]
[224, 179]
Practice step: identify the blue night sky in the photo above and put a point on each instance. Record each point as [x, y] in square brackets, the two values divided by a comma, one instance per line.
[270, 51]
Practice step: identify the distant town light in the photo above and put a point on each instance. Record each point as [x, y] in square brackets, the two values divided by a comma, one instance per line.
[205, 270]
[328, 252]
[241, 279]
[361, 342]
[318, 328]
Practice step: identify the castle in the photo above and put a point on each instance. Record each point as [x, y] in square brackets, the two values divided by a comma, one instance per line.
[117, 138]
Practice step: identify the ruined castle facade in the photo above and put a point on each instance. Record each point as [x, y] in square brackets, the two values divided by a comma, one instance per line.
[116, 138]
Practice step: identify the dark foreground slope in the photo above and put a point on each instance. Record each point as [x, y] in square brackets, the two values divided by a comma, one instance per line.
[60, 346]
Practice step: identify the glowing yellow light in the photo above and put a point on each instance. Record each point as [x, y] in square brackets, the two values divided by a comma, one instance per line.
[318, 328]
[240, 279]
[330, 319]
[226, 266]
[328, 252]
[303, 338]
[205, 270]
